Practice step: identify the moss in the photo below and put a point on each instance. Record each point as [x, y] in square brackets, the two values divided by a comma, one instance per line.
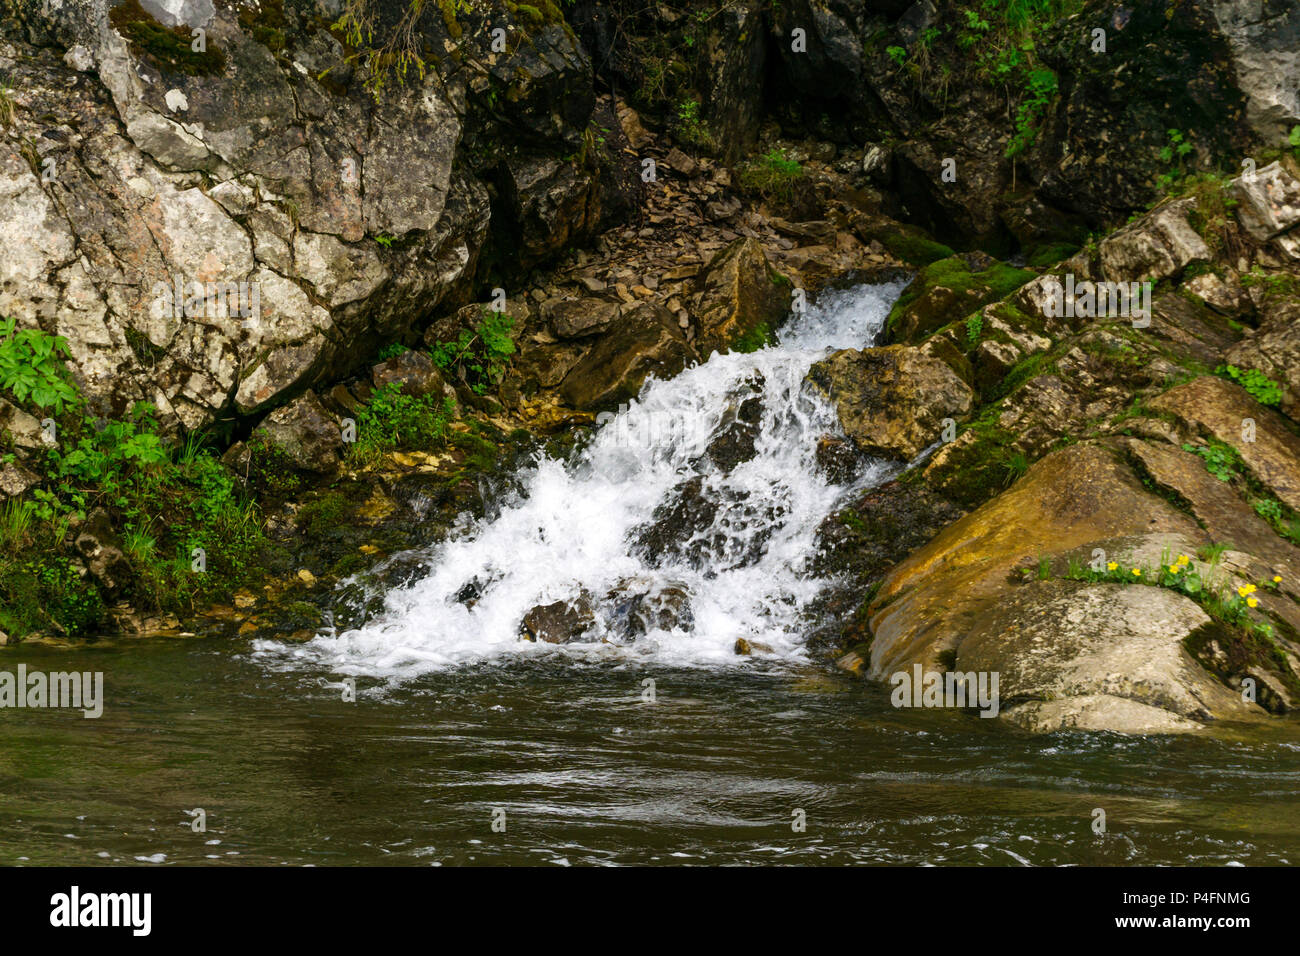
[915, 249]
[1041, 257]
[169, 49]
[448, 10]
[995, 282]
[760, 336]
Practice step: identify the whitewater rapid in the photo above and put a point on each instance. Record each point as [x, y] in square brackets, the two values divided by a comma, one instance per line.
[576, 530]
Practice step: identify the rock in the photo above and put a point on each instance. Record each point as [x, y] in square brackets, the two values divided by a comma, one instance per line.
[875, 164]
[1265, 45]
[950, 290]
[891, 401]
[740, 295]
[1220, 408]
[16, 480]
[745, 647]
[413, 371]
[645, 342]
[308, 436]
[180, 13]
[1058, 645]
[1160, 244]
[1274, 349]
[576, 318]
[679, 162]
[100, 548]
[641, 606]
[1269, 203]
[702, 525]
[23, 430]
[560, 622]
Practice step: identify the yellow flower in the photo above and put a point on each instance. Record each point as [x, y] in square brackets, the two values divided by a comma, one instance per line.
[1252, 602]
[1137, 572]
[1243, 589]
[1175, 568]
[1184, 559]
[1277, 579]
[1111, 566]
[1250, 589]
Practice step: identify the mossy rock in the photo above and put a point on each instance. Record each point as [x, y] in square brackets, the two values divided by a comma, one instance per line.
[948, 290]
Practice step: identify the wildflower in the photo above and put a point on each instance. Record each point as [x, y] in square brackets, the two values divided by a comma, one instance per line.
[1112, 565]
[1252, 602]
[1137, 572]
[1184, 560]
[1277, 579]
[1175, 568]
[1246, 589]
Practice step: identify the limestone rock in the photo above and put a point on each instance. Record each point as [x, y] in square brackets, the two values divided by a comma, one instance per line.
[892, 400]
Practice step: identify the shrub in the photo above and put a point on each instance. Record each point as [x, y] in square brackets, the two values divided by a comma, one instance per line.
[32, 369]
[773, 176]
[479, 357]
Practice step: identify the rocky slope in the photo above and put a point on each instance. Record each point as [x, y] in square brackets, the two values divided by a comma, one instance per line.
[635, 187]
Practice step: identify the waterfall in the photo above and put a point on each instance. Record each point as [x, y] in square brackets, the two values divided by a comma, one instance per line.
[686, 522]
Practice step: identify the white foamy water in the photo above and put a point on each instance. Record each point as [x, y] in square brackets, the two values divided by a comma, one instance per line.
[578, 527]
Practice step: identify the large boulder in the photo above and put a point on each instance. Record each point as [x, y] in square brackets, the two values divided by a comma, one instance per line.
[892, 400]
[646, 341]
[255, 178]
[740, 298]
[1104, 655]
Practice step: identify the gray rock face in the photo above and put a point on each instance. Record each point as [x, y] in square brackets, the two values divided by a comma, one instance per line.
[225, 293]
[1265, 42]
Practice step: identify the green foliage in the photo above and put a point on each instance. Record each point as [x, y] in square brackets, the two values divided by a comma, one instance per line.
[898, 54]
[691, 128]
[32, 369]
[1221, 461]
[392, 350]
[479, 357]
[1040, 88]
[392, 420]
[1173, 154]
[772, 175]
[385, 240]
[974, 330]
[1264, 389]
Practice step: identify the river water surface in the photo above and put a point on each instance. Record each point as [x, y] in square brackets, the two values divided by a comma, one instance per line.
[647, 739]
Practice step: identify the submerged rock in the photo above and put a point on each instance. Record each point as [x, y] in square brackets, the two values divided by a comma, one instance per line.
[559, 622]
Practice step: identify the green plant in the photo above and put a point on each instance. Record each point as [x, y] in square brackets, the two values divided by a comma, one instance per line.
[393, 419]
[898, 54]
[772, 175]
[974, 329]
[1040, 88]
[1222, 461]
[384, 239]
[1264, 389]
[479, 356]
[1268, 509]
[691, 128]
[31, 366]
[392, 350]
[1172, 154]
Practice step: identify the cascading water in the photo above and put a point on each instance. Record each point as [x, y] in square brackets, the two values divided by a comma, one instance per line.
[687, 522]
